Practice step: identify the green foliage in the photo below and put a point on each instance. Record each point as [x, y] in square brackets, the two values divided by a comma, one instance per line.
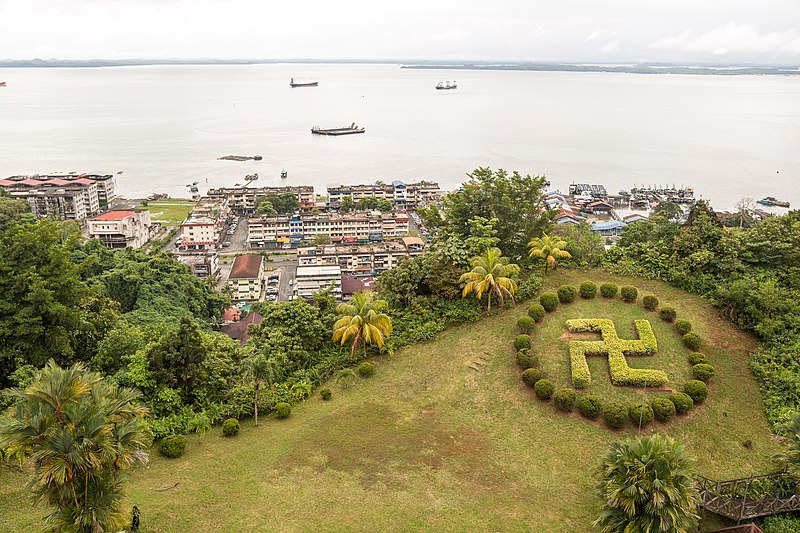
[366, 369]
[628, 293]
[544, 389]
[588, 290]
[614, 414]
[696, 390]
[173, 446]
[683, 402]
[697, 358]
[609, 290]
[283, 410]
[526, 359]
[491, 274]
[525, 324]
[564, 399]
[345, 377]
[522, 342]
[549, 300]
[663, 409]
[566, 294]
[528, 288]
[230, 428]
[692, 341]
[683, 326]
[781, 523]
[536, 312]
[703, 372]
[589, 406]
[531, 376]
[650, 302]
[326, 393]
[641, 414]
[551, 249]
[667, 314]
[585, 245]
[282, 204]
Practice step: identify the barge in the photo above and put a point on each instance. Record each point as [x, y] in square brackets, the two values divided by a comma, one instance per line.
[347, 130]
[445, 85]
[293, 83]
[773, 202]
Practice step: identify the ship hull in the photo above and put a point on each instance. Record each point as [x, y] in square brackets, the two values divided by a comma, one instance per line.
[310, 84]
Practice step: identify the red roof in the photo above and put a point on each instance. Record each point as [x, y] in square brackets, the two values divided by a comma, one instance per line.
[115, 215]
[238, 330]
[246, 267]
[231, 314]
[7, 182]
[84, 181]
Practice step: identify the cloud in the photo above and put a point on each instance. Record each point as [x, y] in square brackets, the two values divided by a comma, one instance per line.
[611, 47]
[734, 39]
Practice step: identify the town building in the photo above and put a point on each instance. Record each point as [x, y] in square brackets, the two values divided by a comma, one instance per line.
[610, 228]
[62, 196]
[310, 279]
[402, 195]
[361, 260]
[243, 200]
[203, 263]
[130, 228]
[246, 279]
[203, 228]
[599, 208]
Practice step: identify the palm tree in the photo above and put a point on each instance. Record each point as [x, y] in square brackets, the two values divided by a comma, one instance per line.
[647, 487]
[83, 433]
[490, 274]
[345, 377]
[790, 459]
[260, 369]
[363, 323]
[551, 249]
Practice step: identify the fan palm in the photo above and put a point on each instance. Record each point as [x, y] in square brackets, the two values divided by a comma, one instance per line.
[551, 249]
[363, 323]
[260, 369]
[647, 487]
[790, 459]
[490, 275]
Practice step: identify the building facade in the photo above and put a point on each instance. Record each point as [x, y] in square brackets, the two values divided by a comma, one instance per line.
[203, 228]
[243, 200]
[310, 279]
[246, 280]
[130, 228]
[402, 195]
[361, 260]
[62, 196]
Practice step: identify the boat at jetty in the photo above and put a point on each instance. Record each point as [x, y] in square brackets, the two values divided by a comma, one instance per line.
[445, 85]
[239, 158]
[772, 201]
[293, 83]
[347, 130]
[2, 84]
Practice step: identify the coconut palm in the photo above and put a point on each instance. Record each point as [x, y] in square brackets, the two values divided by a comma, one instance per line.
[260, 369]
[83, 434]
[551, 249]
[490, 275]
[790, 459]
[363, 323]
[647, 487]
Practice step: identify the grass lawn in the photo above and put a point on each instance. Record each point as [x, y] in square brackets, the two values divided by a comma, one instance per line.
[430, 444]
[170, 212]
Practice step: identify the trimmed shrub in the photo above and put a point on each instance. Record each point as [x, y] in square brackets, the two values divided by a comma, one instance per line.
[691, 341]
[683, 326]
[697, 358]
[703, 372]
[640, 413]
[536, 312]
[544, 389]
[663, 409]
[650, 302]
[326, 394]
[173, 446]
[565, 399]
[589, 406]
[608, 290]
[230, 428]
[531, 376]
[566, 294]
[525, 324]
[526, 359]
[283, 410]
[682, 402]
[366, 369]
[549, 300]
[781, 523]
[628, 293]
[667, 314]
[614, 414]
[522, 342]
[696, 389]
[588, 290]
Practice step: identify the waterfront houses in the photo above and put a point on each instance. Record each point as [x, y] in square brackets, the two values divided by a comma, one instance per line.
[246, 279]
[363, 259]
[243, 200]
[202, 229]
[63, 196]
[402, 195]
[130, 228]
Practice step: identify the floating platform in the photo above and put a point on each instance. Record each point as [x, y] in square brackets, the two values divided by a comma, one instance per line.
[347, 130]
[240, 158]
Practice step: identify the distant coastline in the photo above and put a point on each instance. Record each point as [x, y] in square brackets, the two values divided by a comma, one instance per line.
[625, 69]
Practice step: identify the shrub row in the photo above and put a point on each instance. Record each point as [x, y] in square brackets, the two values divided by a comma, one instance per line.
[566, 294]
[650, 303]
[564, 399]
[549, 300]
[588, 290]
[522, 342]
[525, 324]
[667, 314]
[608, 290]
[628, 293]
[526, 359]
[536, 312]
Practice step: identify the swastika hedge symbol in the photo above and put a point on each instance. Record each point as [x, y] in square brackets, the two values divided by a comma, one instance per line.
[616, 349]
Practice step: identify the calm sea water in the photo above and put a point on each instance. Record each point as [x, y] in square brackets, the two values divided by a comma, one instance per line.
[164, 126]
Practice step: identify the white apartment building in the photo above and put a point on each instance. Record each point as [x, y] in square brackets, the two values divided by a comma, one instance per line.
[203, 227]
[122, 229]
[363, 259]
[69, 196]
[310, 279]
[402, 195]
[243, 200]
[247, 278]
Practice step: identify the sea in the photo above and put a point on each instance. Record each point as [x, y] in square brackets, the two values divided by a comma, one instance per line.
[163, 128]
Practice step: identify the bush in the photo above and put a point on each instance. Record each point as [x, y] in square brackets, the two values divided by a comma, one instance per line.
[326, 394]
[663, 409]
[608, 290]
[366, 369]
[230, 428]
[589, 406]
[640, 413]
[566, 294]
[667, 314]
[525, 324]
[544, 389]
[682, 402]
[536, 312]
[691, 341]
[703, 372]
[528, 288]
[696, 389]
[614, 414]
[526, 359]
[531, 376]
[565, 399]
[549, 300]
[650, 303]
[283, 410]
[628, 293]
[522, 342]
[781, 523]
[683, 326]
[697, 358]
[588, 290]
[173, 446]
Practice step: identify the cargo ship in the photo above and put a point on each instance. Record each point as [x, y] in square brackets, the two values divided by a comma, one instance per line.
[445, 85]
[2, 84]
[293, 83]
[772, 201]
[347, 130]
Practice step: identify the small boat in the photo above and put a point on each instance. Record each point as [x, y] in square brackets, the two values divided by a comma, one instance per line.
[251, 177]
[347, 130]
[772, 201]
[2, 84]
[284, 174]
[445, 85]
[293, 83]
[257, 158]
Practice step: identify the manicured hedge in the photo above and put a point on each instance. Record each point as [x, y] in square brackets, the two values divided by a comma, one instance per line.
[588, 290]
[564, 399]
[696, 389]
[608, 290]
[566, 294]
[697, 358]
[526, 359]
[366, 369]
[173, 446]
[230, 427]
[663, 409]
[614, 414]
[703, 372]
[682, 402]
[549, 300]
[650, 302]
[522, 342]
[544, 389]
[326, 393]
[536, 312]
[667, 313]
[691, 341]
[525, 324]
[628, 293]
[640, 413]
[589, 406]
[531, 376]
[683, 326]
[283, 410]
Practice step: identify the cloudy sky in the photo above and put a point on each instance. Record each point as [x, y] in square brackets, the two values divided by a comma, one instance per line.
[717, 31]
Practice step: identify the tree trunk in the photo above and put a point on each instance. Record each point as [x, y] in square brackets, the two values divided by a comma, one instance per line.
[255, 406]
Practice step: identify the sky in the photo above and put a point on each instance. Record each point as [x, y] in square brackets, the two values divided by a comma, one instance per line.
[603, 31]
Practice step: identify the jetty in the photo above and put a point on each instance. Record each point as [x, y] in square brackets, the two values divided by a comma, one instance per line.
[347, 130]
[240, 158]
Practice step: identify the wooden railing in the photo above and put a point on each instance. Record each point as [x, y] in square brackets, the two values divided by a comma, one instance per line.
[745, 498]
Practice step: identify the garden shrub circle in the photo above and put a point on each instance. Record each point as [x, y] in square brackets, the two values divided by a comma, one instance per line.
[230, 428]
[283, 410]
[173, 446]
[663, 408]
[525, 324]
